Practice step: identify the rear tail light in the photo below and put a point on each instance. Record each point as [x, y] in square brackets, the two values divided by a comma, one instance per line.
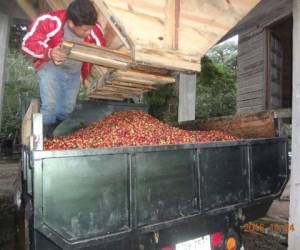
[217, 239]
[231, 243]
[168, 248]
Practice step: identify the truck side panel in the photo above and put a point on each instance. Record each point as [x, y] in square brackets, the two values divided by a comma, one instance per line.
[268, 175]
[224, 176]
[85, 199]
[166, 186]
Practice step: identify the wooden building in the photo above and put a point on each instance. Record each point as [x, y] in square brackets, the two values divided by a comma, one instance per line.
[268, 77]
[264, 78]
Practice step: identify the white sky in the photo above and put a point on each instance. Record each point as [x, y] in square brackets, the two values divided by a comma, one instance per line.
[231, 39]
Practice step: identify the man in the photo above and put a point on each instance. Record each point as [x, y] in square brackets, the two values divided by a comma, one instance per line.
[59, 77]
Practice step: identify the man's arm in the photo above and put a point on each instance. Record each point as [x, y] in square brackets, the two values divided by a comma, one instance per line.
[35, 42]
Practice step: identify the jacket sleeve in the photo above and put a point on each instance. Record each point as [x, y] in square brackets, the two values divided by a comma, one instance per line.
[35, 42]
[97, 38]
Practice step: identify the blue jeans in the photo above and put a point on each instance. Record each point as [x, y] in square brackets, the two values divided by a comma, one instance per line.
[58, 91]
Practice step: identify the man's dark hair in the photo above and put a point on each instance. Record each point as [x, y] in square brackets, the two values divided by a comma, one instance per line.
[82, 12]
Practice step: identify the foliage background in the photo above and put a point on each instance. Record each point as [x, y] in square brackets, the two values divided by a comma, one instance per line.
[20, 81]
[216, 87]
[216, 90]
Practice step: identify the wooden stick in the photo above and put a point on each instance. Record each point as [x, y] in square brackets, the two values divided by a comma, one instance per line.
[141, 77]
[125, 55]
[113, 98]
[97, 55]
[56, 5]
[108, 92]
[133, 85]
[120, 90]
[125, 88]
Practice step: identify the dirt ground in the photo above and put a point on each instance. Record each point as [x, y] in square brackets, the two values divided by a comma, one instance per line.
[271, 232]
[254, 239]
[257, 241]
[9, 170]
[272, 236]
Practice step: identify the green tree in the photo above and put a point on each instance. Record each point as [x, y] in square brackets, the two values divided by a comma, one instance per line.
[215, 90]
[17, 32]
[158, 101]
[20, 81]
[215, 87]
[224, 54]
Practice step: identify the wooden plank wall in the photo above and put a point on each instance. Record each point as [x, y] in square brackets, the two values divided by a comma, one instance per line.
[283, 32]
[275, 71]
[251, 78]
[250, 125]
[251, 73]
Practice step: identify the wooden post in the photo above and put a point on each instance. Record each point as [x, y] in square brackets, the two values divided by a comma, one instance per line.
[187, 97]
[4, 34]
[294, 236]
[36, 140]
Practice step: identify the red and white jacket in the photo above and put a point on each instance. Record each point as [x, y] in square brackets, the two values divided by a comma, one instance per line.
[47, 31]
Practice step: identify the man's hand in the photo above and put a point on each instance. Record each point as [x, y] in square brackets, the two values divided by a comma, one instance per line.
[58, 56]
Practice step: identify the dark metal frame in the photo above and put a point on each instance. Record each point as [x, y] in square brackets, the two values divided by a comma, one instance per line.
[32, 169]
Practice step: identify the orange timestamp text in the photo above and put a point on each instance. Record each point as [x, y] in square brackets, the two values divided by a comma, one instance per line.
[273, 227]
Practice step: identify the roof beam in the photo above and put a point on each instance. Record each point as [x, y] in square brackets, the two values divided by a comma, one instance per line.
[28, 9]
[56, 5]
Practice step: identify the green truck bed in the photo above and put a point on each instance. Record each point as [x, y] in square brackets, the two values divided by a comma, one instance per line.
[116, 198]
